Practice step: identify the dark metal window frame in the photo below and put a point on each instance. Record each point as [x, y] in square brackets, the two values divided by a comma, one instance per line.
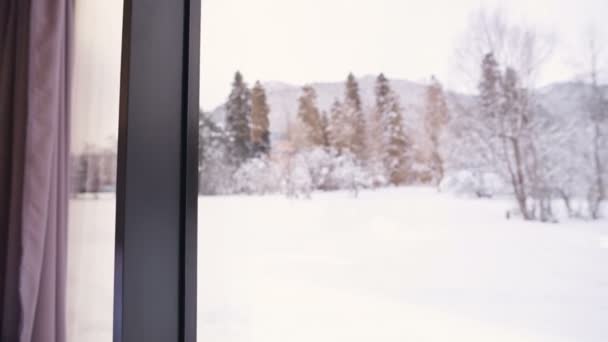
[156, 207]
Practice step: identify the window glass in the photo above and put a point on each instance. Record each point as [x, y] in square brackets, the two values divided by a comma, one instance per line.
[95, 95]
[403, 171]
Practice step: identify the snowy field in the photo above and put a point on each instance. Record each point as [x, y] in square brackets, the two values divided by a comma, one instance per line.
[407, 265]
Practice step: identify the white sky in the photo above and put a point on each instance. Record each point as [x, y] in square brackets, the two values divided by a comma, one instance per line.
[299, 41]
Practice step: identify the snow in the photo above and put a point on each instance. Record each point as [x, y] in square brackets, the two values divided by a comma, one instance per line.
[402, 264]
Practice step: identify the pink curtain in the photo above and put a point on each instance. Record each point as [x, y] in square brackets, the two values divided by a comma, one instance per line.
[34, 118]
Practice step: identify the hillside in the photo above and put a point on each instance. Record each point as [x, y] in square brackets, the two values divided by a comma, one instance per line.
[283, 99]
[561, 99]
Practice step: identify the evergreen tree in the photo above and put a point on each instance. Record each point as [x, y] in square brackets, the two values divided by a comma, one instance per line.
[347, 122]
[310, 118]
[397, 147]
[355, 119]
[435, 119]
[512, 102]
[335, 127]
[238, 113]
[325, 129]
[215, 173]
[489, 87]
[352, 98]
[260, 134]
[375, 149]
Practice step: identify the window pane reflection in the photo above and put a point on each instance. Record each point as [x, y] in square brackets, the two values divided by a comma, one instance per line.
[95, 94]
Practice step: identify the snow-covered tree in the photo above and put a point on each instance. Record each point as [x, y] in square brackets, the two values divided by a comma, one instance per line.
[354, 117]
[349, 173]
[324, 169]
[260, 124]
[512, 129]
[505, 129]
[325, 129]
[347, 124]
[489, 87]
[397, 150]
[215, 170]
[375, 149]
[435, 120]
[597, 109]
[334, 128]
[319, 163]
[257, 176]
[297, 179]
[310, 119]
[474, 140]
[238, 116]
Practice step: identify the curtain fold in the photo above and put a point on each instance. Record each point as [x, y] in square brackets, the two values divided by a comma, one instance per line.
[34, 121]
[14, 58]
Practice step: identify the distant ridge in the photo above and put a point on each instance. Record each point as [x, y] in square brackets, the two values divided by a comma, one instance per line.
[562, 99]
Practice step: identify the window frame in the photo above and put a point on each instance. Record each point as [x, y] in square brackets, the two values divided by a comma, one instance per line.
[155, 275]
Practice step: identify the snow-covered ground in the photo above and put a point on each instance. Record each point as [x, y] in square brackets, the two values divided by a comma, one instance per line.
[393, 265]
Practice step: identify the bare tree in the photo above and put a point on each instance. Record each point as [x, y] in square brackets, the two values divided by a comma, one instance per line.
[504, 124]
[597, 109]
[520, 47]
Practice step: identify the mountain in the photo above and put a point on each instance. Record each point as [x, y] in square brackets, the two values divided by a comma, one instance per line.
[283, 100]
[562, 100]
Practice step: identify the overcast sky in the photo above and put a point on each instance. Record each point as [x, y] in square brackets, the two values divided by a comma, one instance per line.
[299, 41]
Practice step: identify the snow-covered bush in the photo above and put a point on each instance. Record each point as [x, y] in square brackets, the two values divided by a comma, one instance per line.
[377, 174]
[349, 173]
[297, 179]
[215, 173]
[319, 163]
[325, 170]
[466, 182]
[257, 176]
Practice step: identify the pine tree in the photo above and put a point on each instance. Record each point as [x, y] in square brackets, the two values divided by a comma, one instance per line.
[352, 98]
[489, 87]
[325, 129]
[335, 126]
[435, 119]
[397, 146]
[310, 118]
[355, 119]
[375, 149]
[260, 134]
[238, 113]
[347, 126]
